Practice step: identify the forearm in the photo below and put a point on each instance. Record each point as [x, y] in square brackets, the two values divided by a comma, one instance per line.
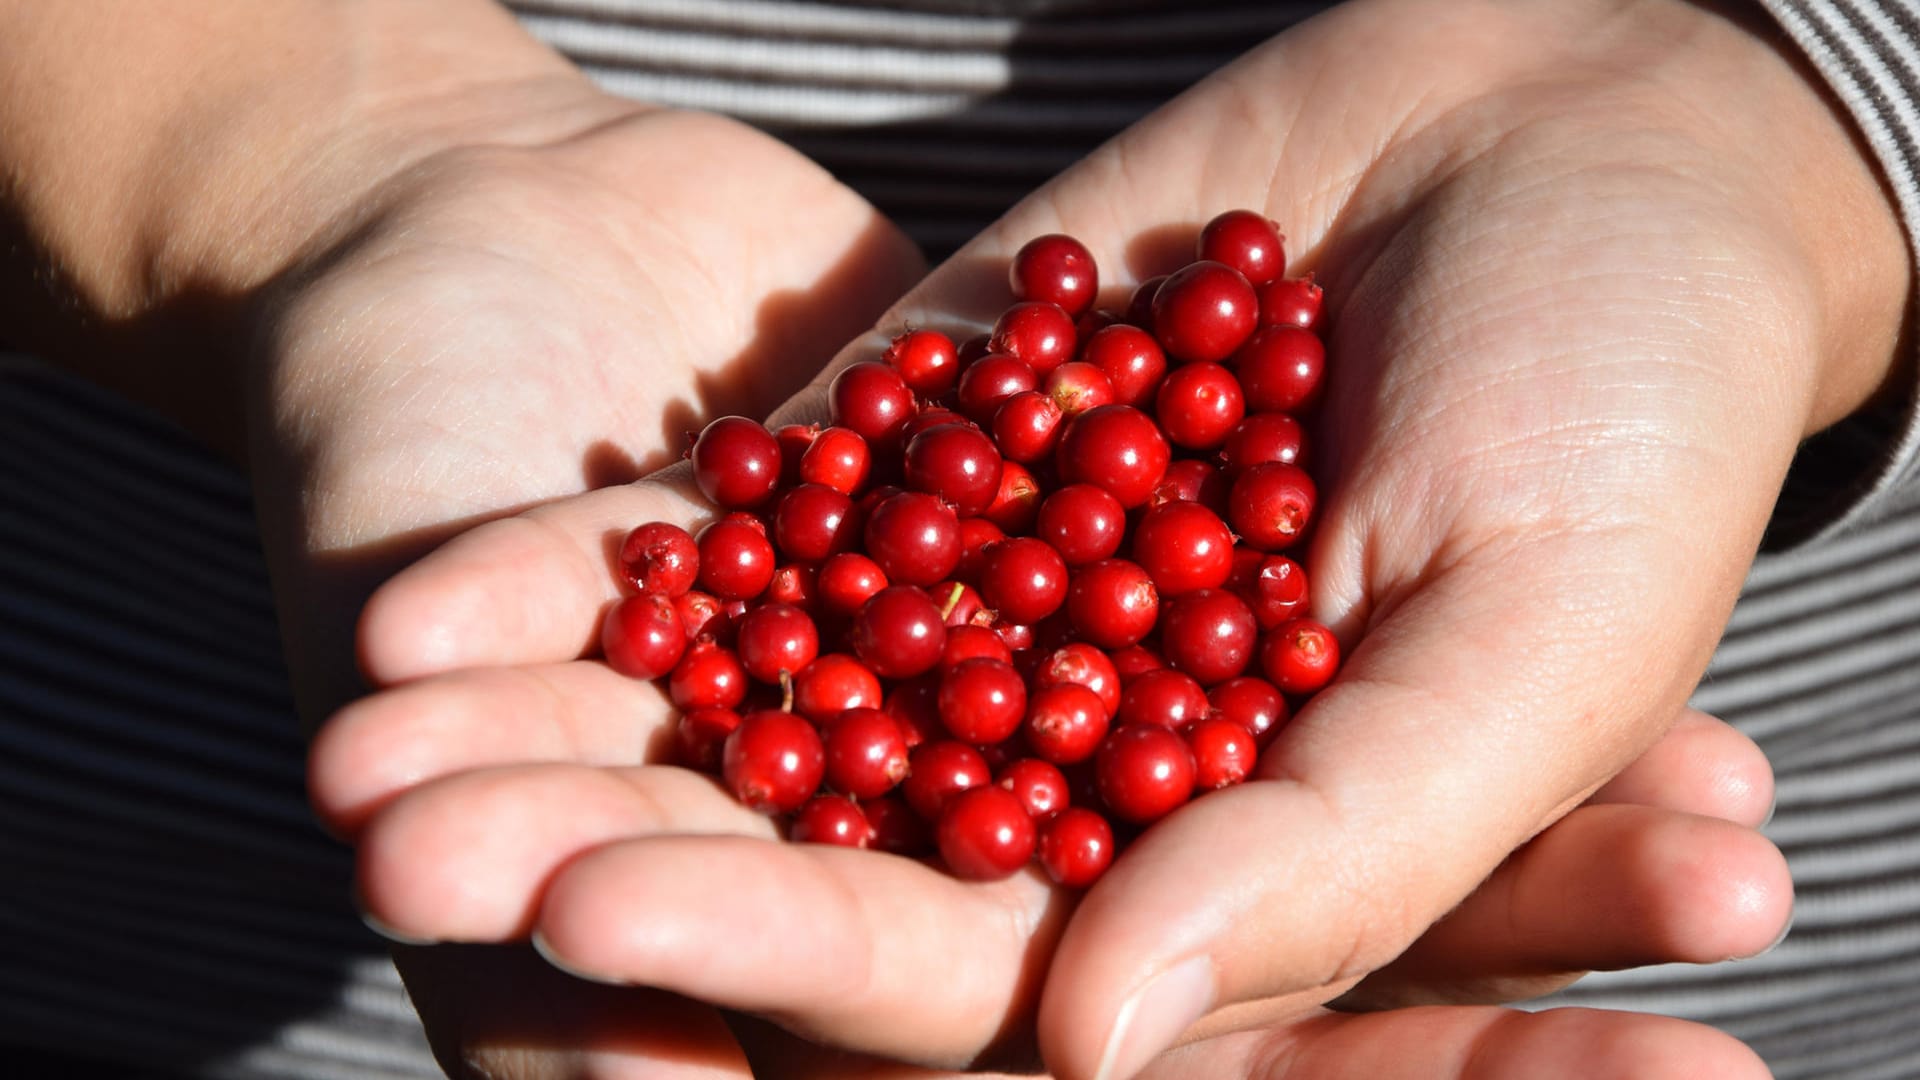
[160, 161]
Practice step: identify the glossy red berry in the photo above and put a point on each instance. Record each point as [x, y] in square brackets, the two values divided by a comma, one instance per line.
[847, 580]
[1278, 591]
[960, 604]
[1112, 603]
[873, 400]
[700, 736]
[1195, 481]
[1076, 847]
[1026, 426]
[1084, 665]
[1261, 438]
[1144, 772]
[973, 642]
[985, 834]
[832, 684]
[1017, 503]
[1163, 698]
[813, 521]
[987, 384]
[896, 828]
[914, 537]
[1198, 405]
[1038, 334]
[708, 676]
[775, 640]
[915, 705]
[1183, 546]
[1132, 361]
[1281, 369]
[832, 819]
[773, 761]
[1078, 386]
[1291, 302]
[1116, 447]
[1247, 241]
[1253, 703]
[1065, 723]
[1210, 634]
[958, 463]
[703, 616]
[642, 636]
[1023, 579]
[1203, 312]
[736, 560]
[795, 584]
[927, 360]
[1300, 656]
[899, 633]
[659, 558]
[838, 458]
[976, 535]
[1271, 505]
[982, 701]
[939, 770]
[1223, 753]
[1134, 661]
[1056, 269]
[736, 463]
[1140, 303]
[866, 753]
[1040, 786]
[793, 439]
[1082, 522]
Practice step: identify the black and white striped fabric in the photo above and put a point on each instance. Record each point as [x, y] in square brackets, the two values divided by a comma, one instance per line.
[169, 909]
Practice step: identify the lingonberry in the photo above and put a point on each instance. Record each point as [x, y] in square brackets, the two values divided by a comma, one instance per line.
[1210, 634]
[775, 640]
[915, 705]
[1164, 698]
[1281, 369]
[1291, 302]
[1017, 503]
[930, 417]
[976, 535]
[1195, 481]
[1082, 522]
[985, 834]
[1076, 847]
[1278, 591]
[1140, 303]
[708, 676]
[991, 381]
[1112, 603]
[736, 560]
[703, 616]
[899, 632]
[1203, 312]
[1223, 753]
[839, 458]
[1117, 447]
[793, 583]
[642, 636]
[1261, 438]
[700, 735]
[736, 462]
[939, 770]
[958, 463]
[846, 581]
[1023, 579]
[773, 761]
[896, 828]
[793, 440]
[1017, 635]
[1134, 661]
[1253, 703]
[914, 537]
[1078, 386]
[982, 701]
[1144, 772]
[927, 360]
[813, 521]
[1038, 334]
[1271, 505]
[972, 349]
[832, 819]
[960, 604]
[1132, 361]
[1081, 664]
[1247, 241]
[973, 642]
[1056, 269]
[1299, 656]
[873, 400]
[1092, 322]
[659, 558]
[833, 683]
[866, 753]
[1026, 426]
[1040, 786]
[1183, 546]
[1065, 723]
[1198, 405]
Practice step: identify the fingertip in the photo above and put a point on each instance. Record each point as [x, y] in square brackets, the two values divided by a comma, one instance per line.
[1727, 894]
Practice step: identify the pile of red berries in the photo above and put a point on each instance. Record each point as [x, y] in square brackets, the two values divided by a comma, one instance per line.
[1022, 589]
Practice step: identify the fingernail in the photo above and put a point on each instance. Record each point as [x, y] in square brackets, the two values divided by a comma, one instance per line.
[546, 953]
[1771, 807]
[391, 934]
[1155, 1015]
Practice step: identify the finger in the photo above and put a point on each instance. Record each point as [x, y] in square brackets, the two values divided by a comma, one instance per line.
[580, 712]
[1468, 1043]
[1703, 765]
[845, 948]
[465, 858]
[1607, 887]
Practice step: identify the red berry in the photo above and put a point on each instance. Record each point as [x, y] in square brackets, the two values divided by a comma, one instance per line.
[1270, 505]
[987, 384]
[1082, 522]
[1065, 723]
[642, 636]
[914, 537]
[708, 676]
[701, 734]
[1290, 302]
[1056, 269]
[659, 558]
[1195, 481]
[703, 616]
[793, 440]
[1081, 664]
[958, 463]
[1026, 426]
[1038, 334]
[873, 400]
[736, 560]
[915, 705]
[736, 463]
[1278, 591]
[1198, 405]
[1210, 634]
[930, 417]
[976, 535]
[1183, 546]
[927, 361]
[832, 684]
[1247, 241]
[982, 701]
[1223, 753]
[1140, 303]
[866, 753]
[985, 834]
[896, 828]
[1078, 386]
[1024, 579]
[1116, 447]
[795, 584]
[899, 632]
[1017, 503]
[1281, 369]
[1076, 847]
[838, 458]
[973, 642]
[773, 761]
[832, 819]
[813, 521]
[846, 581]
[1112, 603]
[1163, 698]
[1041, 787]
[1144, 772]
[960, 604]
[1134, 661]
[1203, 312]
[1252, 703]
[1300, 656]
[1132, 361]
[939, 770]
[1261, 438]
[775, 640]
